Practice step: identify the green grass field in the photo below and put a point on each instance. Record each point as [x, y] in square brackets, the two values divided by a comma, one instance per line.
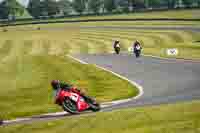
[26, 55]
[30, 60]
[175, 118]
[155, 42]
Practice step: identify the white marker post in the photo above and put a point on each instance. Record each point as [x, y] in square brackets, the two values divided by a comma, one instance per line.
[172, 52]
[130, 49]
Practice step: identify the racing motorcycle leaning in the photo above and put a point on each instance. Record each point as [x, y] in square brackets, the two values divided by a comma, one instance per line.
[74, 103]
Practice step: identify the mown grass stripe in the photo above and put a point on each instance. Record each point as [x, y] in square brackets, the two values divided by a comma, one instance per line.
[167, 36]
[122, 37]
[6, 48]
[177, 36]
[78, 46]
[27, 44]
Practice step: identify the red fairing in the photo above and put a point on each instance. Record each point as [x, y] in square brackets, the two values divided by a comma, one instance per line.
[60, 96]
[81, 104]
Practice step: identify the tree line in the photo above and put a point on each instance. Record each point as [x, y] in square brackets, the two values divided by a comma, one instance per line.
[49, 8]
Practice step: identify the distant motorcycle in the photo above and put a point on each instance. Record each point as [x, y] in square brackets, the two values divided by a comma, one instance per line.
[74, 103]
[137, 51]
[116, 47]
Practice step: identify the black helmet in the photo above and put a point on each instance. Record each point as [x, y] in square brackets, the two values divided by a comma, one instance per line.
[54, 84]
[116, 41]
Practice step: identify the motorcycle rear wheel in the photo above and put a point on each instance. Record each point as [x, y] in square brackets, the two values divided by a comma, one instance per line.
[69, 106]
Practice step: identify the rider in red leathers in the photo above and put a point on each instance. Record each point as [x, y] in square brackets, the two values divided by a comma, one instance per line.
[57, 85]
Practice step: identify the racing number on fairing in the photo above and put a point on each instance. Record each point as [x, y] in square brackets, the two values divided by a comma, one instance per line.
[74, 97]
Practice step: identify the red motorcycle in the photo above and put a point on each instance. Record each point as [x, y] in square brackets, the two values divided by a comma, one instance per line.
[74, 103]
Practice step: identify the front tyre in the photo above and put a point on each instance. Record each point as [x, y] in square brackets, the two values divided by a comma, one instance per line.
[117, 50]
[95, 107]
[1, 122]
[69, 106]
[137, 54]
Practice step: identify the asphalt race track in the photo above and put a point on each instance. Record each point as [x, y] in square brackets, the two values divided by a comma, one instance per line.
[163, 81]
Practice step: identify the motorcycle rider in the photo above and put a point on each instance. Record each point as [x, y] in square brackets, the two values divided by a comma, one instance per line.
[57, 85]
[137, 47]
[116, 46]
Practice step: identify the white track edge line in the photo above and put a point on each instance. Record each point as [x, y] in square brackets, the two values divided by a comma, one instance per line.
[103, 105]
[80, 61]
[139, 87]
[158, 57]
[170, 59]
[164, 58]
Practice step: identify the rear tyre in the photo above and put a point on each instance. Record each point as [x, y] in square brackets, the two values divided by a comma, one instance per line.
[69, 106]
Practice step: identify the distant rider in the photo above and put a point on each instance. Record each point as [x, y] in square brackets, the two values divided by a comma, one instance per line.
[58, 85]
[137, 47]
[116, 46]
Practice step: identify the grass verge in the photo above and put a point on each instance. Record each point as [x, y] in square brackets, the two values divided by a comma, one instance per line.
[76, 40]
[173, 118]
[29, 59]
[25, 88]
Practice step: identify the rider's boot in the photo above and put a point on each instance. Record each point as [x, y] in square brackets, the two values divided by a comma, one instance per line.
[88, 99]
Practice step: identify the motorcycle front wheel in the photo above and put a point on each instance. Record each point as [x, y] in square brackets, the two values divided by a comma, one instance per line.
[69, 106]
[137, 54]
[117, 50]
[95, 107]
